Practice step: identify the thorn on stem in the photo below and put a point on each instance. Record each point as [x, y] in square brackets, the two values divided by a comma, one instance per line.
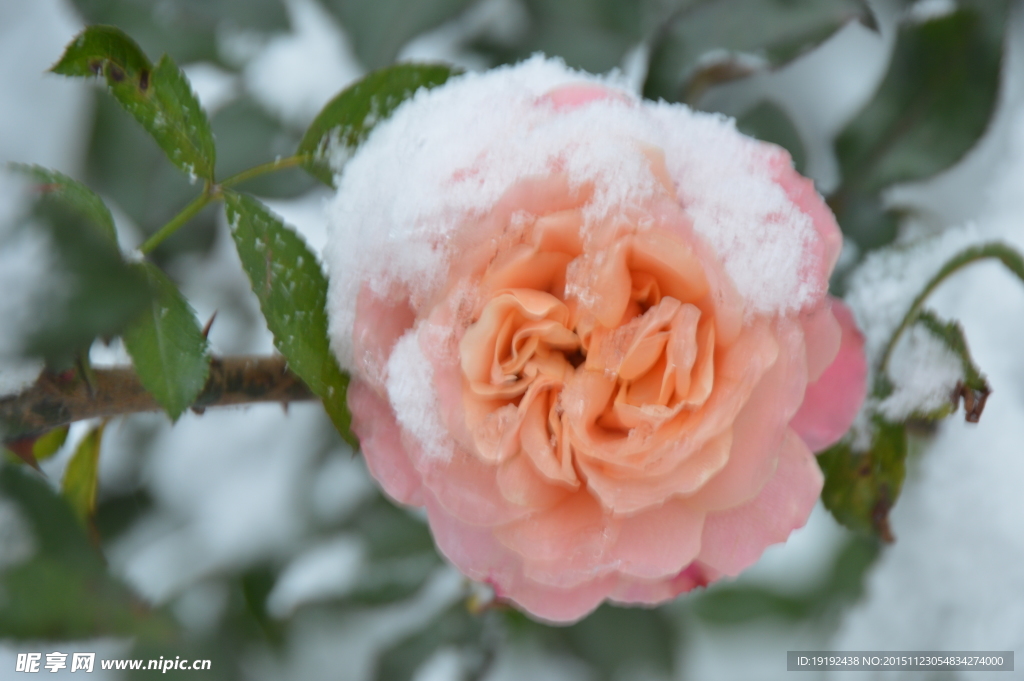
[209, 323]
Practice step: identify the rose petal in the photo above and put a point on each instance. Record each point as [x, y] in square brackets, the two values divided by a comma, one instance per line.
[822, 336]
[831, 403]
[658, 542]
[758, 430]
[379, 435]
[621, 494]
[733, 540]
[651, 592]
[522, 485]
[574, 532]
[468, 489]
[477, 553]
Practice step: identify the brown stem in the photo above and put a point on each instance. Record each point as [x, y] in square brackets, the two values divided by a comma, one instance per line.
[57, 399]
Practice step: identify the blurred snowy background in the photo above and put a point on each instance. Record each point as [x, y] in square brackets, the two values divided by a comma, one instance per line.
[258, 538]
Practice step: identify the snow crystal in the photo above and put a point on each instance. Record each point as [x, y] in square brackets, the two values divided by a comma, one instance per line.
[449, 154]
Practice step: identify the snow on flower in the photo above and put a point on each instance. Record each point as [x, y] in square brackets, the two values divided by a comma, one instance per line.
[589, 334]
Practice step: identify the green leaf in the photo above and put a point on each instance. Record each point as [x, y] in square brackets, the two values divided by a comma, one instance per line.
[72, 194]
[973, 387]
[124, 165]
[348, 118]
[772, 32]
[768, 122]
[380, 29]
[63, 592]
[167, 346]
[80, 477]
[292, 290]
[159, 98]
[862, 487]
[738, 604]
[108, 51]
[105, 296]
[617, 641]
[49, 444]
[952, 336]
[933, 105]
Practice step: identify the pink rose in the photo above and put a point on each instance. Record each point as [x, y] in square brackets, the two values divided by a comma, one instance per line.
[589, 334]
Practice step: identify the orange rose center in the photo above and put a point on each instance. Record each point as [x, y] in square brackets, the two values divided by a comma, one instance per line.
[631, 326]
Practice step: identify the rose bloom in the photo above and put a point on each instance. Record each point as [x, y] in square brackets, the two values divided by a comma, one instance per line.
[589, 334]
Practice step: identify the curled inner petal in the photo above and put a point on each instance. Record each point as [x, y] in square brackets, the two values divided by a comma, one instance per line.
[593, 367]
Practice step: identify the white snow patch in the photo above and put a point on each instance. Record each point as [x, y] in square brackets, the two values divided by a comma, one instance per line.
[500, 22]
[881, 292]
[201, 607]
[296, 74]
[112, 353]
[214, 86]
[446, 664]
[410, 385]
[229, 489]
[340, 486]
[882, 289]
[18, 374]
[447, 155]
[924, 372]
[924, 11]
[529, 660]
[318, 641]
[328, 570]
